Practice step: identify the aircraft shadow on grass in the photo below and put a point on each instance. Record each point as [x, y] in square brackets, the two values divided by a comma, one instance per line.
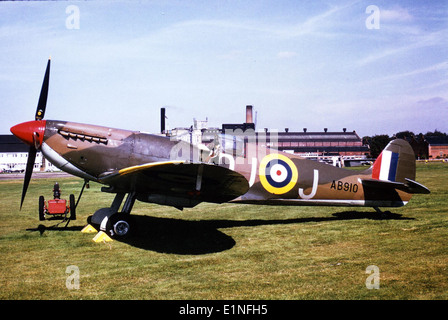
[177, 236]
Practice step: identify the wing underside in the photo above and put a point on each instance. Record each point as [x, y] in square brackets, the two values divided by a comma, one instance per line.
[179, 179]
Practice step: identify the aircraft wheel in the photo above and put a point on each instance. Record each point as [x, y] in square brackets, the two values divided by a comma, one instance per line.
[41, 208]
[119, 225]
[89, 221]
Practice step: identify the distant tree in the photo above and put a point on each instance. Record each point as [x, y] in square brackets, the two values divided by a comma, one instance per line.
[366, 140]
[418, 142]
[436, 133]
[377, 143]
[406, 135]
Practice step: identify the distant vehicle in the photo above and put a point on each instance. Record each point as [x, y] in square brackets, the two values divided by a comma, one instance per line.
[16, 169]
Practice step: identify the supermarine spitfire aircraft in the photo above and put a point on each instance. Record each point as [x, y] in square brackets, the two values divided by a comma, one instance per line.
[152, 168]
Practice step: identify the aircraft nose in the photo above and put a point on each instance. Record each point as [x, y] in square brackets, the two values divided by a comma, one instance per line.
[31, 132]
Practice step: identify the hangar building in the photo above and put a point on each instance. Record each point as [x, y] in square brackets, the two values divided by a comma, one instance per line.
[437, 147]
[14, 155]
[323, 145]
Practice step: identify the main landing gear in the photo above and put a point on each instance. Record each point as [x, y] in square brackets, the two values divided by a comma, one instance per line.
[116, 224]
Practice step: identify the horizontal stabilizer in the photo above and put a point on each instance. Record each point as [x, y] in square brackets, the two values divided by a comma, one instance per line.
[416, 187]
[409, 186]
[383, 184]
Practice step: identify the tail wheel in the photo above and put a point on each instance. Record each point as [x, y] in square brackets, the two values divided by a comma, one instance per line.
[119, 225]
[72, 207]
[41, 208]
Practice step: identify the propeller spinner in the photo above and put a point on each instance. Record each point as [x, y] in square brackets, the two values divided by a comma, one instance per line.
[32, 132]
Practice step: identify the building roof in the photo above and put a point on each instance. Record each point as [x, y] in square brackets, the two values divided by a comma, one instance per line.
[10, 143]
[319, 136]
[437, 140]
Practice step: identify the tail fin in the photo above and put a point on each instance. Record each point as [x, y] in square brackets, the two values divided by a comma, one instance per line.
[396, 163]
[395, 169]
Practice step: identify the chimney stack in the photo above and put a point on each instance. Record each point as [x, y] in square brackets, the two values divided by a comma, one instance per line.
[249, 114]
[325, 129]
[304, 130]
[162, 120]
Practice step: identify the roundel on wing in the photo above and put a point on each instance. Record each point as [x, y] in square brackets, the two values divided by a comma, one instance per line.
[278, 174]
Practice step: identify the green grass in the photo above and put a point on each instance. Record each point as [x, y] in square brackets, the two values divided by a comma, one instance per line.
[228, 251]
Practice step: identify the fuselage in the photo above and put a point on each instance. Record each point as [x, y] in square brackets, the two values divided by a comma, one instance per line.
[92, 152]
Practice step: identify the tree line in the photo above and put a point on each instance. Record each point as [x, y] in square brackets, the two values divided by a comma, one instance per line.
[418, 141]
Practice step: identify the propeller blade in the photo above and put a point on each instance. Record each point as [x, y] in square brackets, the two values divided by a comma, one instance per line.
[28, 172]
[42, 104]
[23, 131]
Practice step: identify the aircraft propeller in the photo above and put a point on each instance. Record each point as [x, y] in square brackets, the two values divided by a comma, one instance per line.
[42, 104]
[32, 132]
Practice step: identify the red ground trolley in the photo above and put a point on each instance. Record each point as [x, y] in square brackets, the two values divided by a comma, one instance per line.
[57, 208]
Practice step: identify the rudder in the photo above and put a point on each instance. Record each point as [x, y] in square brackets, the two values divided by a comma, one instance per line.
[395, 163]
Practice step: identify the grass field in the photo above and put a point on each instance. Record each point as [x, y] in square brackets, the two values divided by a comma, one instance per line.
[228, 251]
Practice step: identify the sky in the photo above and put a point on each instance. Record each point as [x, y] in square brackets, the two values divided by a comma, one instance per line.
[376, 67]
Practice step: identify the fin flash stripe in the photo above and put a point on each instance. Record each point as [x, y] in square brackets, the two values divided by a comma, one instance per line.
[385, 167]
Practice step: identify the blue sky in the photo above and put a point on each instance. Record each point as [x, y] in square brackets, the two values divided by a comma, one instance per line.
[313, 64]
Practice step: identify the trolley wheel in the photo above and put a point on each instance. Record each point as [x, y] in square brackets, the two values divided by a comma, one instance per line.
[72, 207]
[41, 208]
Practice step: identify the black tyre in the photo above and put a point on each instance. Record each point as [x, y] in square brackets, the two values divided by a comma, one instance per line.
[119, 226]
[72, 207]
[41, 208]
[89, 221]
